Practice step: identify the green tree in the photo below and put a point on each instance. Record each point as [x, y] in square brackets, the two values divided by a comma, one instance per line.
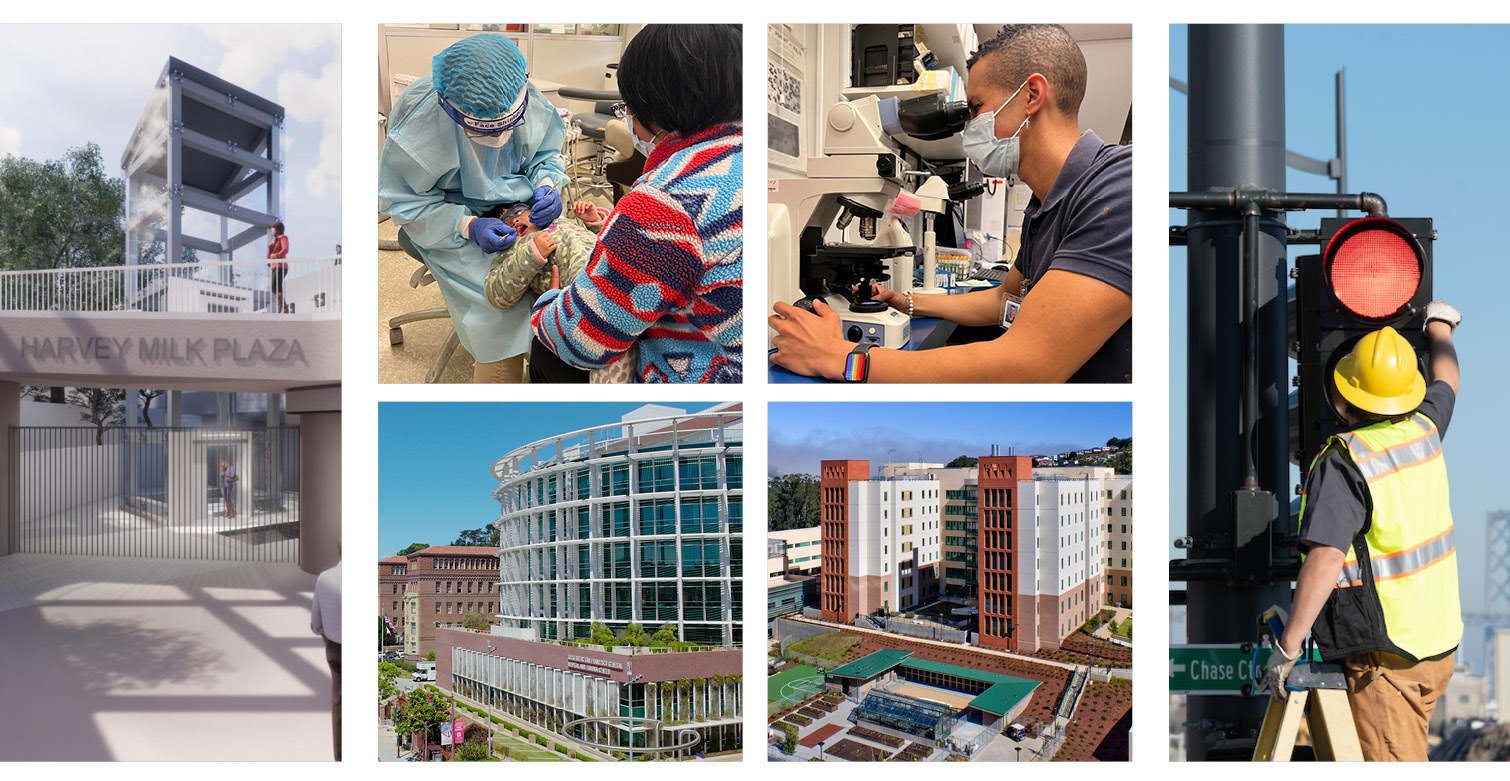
[430, 657]
[423, 710]
[793, 502]
[60, 213]
[103, 408]
[664, 636]
[387, 674]
[486, 536]
[476, 621]
[413, 546]
[600, 635]
[633, 635]
[962, 461]
[1121, 461]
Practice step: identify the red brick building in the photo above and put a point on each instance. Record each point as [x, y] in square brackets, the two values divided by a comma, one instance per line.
[442, 584]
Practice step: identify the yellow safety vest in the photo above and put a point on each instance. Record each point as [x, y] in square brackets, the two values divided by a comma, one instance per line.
[1398, 590]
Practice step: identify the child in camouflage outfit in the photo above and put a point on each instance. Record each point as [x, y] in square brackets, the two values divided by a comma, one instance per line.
[566, 244]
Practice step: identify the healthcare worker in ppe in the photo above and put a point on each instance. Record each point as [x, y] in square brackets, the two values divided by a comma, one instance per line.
[471, 135]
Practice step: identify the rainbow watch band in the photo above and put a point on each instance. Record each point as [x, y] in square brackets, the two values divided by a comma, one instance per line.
[857, 364]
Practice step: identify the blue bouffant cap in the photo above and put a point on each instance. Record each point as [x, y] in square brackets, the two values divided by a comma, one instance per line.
[481, 75]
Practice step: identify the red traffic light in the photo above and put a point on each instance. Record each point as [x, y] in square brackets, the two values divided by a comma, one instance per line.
[1373, 266]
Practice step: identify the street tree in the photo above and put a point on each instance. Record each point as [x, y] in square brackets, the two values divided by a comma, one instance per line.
[423, 711]
[388, 673]
[475, 621]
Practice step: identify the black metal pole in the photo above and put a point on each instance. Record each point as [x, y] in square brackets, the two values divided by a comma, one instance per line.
[1237, 142]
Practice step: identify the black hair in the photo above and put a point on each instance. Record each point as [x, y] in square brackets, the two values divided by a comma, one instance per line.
[1025, 49]
[278, 227]
[684, 78]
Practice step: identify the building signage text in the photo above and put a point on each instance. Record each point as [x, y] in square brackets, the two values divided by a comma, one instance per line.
[174, 350]
[585, 664]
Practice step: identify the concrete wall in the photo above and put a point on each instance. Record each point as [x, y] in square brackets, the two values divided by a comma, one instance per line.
[59, 479]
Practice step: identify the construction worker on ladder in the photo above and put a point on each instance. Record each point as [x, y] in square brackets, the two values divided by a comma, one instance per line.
[1379, 586]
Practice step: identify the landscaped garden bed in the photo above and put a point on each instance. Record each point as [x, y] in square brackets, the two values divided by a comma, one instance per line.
[1098, 731]
[919, 750]
[798, 719]
[876, 737]
[813, 713]
[850, 751]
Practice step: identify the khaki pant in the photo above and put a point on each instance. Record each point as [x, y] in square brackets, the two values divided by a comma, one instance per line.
[506, 370]
[1392, 700]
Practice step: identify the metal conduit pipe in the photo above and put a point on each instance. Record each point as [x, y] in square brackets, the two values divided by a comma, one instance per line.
[1371, 204]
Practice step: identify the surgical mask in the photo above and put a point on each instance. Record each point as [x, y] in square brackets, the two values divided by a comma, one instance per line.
[640, 145]
[994, 156]
[494, 141]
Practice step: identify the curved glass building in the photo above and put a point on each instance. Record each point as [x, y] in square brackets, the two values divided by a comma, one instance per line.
[637, 522]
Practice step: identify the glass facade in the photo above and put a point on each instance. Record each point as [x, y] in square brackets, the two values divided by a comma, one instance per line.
[640, 524]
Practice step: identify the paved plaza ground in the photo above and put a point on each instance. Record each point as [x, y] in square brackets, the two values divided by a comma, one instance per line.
[155, 659]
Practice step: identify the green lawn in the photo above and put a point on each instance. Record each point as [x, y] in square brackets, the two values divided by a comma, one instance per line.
[832, 646]
[776, 683]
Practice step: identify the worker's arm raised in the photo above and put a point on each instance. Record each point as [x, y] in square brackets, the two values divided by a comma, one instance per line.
[1441, 320]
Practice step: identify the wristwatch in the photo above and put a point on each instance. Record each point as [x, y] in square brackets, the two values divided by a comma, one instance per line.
[857, 365]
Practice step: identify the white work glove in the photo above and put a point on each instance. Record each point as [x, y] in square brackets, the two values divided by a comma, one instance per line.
[1441, 310]
[1277, 671]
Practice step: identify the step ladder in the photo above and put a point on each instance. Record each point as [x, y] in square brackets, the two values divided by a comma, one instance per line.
[1316, 693]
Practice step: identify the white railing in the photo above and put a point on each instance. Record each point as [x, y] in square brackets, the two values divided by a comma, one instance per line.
[311, 286]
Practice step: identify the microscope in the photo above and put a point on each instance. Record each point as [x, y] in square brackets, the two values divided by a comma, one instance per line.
[836, 232]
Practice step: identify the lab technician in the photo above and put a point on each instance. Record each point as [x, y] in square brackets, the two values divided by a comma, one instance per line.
[470, 136]
[1069, 293]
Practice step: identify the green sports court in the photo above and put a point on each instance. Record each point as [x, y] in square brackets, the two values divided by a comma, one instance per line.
[797, 683]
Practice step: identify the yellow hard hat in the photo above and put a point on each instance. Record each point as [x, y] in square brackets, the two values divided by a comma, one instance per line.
[1380, 374]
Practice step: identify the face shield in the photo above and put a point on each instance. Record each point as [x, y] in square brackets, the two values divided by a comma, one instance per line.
[494, 131]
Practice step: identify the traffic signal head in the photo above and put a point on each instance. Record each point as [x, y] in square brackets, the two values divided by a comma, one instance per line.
[1374, 269]
[1373, 272]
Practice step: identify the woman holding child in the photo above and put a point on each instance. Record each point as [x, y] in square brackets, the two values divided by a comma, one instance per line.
[666, 275]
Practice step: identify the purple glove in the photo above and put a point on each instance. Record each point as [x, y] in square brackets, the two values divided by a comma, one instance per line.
[492, 235]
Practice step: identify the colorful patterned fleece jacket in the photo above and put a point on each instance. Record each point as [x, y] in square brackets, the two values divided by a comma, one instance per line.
[667, 273]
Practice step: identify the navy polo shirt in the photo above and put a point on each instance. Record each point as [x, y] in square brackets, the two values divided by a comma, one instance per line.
[1085, 227]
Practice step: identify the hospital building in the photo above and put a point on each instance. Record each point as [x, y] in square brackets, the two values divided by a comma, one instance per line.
[636, 522]
[1037, 551]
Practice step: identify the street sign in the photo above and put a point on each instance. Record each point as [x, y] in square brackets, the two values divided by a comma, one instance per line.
[1213, 669]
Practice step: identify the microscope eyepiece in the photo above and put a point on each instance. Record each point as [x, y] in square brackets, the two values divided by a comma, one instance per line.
[931, 118]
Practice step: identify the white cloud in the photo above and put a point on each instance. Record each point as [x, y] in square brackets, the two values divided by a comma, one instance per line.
[10, 141]
[316, 101]
[253, 53]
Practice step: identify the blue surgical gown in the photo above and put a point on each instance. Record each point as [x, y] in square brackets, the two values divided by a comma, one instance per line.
[431, 175]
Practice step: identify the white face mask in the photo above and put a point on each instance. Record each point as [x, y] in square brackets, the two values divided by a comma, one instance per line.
[994, 156]
[641, 145]
[494, 141]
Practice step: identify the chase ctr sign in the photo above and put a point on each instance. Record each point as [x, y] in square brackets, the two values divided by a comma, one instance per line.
[172, 351]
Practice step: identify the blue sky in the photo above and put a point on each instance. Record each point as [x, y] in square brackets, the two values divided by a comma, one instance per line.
[434, 459]
[802, 434]
[1418, 120]
[97, 78]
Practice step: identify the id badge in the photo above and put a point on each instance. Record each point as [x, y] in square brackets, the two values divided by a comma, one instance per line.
[1009, 306]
